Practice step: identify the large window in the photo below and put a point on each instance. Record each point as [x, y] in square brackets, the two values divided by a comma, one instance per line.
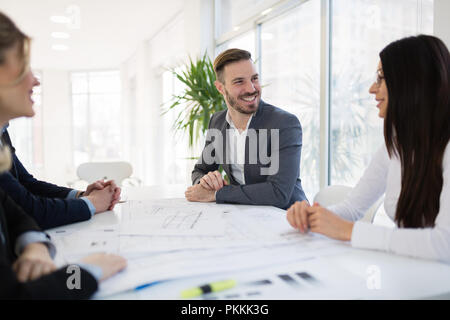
[232, 15]
[358, 35]
[26, 133]
[244, 41]
[96, 116]
[289, 40]
[290, 69]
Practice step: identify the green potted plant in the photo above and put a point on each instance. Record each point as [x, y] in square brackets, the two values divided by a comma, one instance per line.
[199, 100]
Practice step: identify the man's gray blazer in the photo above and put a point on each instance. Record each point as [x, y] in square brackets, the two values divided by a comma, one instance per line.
[281, 188]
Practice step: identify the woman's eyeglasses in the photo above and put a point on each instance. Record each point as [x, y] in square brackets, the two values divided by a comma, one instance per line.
[378, 78]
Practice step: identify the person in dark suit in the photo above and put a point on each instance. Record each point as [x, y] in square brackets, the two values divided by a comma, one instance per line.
[27, 270]
[257, 145]
[26, 267]
[51, 205]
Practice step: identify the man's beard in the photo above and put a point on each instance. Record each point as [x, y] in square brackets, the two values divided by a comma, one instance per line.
[250, 109]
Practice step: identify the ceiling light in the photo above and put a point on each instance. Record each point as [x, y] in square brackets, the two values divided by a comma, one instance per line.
[59, 19]
[60, 35]
[267, 11]
[60, 47]
[236, 28]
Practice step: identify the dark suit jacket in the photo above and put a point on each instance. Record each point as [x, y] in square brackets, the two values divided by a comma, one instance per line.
[280, 189]
[43, 201]
[14, 222]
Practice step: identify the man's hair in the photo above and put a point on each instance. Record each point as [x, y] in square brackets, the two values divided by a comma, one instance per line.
[227, 57]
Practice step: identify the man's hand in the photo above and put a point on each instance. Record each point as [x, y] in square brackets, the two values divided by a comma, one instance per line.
[198, 193]
[100, 185]
[34, 262]
[102, 199]
[97, 185]
[213, 181]
[116, 195]
[109, 263]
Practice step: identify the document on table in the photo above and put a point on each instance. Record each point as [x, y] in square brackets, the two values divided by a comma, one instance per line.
[305, 279]
[148, 218]
[75, 244]
[249, 227]
[175, 239]
[254, 238]
[187, 263]
[309, 279]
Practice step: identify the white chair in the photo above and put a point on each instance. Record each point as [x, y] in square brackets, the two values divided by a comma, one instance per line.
[334, 194]
[117, 171]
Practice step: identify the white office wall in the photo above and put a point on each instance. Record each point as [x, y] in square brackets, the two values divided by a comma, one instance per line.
[148, 137]
[136, 89]
[57, 132]
[199, 28]
[442, 20]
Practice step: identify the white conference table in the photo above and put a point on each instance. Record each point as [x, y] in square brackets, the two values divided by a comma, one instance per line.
[342, 274]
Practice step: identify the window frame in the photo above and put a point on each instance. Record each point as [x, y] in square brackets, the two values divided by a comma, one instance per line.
[88, 119]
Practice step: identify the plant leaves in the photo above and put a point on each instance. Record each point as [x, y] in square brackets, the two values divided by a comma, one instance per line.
[199, 99]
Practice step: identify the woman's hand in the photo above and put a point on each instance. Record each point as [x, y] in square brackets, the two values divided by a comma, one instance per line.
[109, 263]
[298, 217]
[318, 219]
[34, 262]
[323, 221]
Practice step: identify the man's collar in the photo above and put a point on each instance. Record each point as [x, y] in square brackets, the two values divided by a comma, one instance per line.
[230, 121]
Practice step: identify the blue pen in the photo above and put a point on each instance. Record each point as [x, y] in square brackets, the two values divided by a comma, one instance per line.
[141, 287]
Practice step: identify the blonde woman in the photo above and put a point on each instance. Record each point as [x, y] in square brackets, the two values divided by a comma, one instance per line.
[48, 204]
[26, 267]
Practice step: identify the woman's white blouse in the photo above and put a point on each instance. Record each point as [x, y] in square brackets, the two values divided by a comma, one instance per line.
[384, 176]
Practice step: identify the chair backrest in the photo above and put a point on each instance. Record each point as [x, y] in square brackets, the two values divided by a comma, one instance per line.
[334, 194]
[93, 171]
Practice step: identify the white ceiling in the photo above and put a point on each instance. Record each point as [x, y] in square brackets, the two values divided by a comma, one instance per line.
[110, 30]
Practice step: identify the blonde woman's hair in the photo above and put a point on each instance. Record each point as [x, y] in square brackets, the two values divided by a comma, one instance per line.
[5, 159]
[10, 36]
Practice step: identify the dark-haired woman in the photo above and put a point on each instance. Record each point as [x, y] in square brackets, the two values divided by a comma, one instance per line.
[412, 168]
